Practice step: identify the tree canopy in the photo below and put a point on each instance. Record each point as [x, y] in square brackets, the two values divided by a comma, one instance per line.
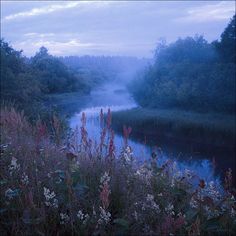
[191, 74]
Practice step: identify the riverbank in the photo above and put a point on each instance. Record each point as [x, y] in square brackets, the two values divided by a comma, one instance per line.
[212, 128]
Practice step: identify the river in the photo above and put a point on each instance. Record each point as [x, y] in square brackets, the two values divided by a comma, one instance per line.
[116, 97]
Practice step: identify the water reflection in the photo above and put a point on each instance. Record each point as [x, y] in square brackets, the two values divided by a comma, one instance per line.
[107, 97]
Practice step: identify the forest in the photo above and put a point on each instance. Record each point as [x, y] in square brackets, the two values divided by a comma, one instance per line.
[191, 74]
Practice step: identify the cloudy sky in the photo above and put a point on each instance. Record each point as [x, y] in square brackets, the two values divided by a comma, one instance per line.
[109, 27]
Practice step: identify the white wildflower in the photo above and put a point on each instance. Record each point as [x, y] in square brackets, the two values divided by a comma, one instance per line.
[211, 191]
[145, 174]
[82, 217]
[150, 197]
[170, 209]
[104, 217]
[64, 218]
[105, 179]
[151, 204]
[25, 179]
[127, 154]
[50, 198]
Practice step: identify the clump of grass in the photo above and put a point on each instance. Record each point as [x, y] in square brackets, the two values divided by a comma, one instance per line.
[82, 188]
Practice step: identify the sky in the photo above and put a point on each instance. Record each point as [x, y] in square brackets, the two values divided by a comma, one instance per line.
[125, 28]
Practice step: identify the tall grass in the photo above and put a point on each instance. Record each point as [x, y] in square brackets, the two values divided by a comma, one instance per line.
[206, 128]
[75, 186]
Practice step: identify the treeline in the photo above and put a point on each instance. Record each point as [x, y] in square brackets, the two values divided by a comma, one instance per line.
[191, 74]
[27, 81]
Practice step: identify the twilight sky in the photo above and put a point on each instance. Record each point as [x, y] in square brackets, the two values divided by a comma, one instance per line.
[109, 27]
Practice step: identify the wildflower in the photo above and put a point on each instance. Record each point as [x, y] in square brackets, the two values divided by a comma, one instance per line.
[145, 174]
[25, 179]
[211, 191]
[64, 218]
[169, 209]
[127, 154]
[150, 197]
[105, 179]
[105, 191]
[104, 217]
[50, 198]
[104, 195]
[82, 217]
[126, 133]
[13, 166]
[111, 144]
[151, 204]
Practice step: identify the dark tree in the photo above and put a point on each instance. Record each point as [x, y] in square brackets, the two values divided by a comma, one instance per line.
[227, 45]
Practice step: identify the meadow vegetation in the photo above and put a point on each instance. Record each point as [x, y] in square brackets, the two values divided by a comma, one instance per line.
[55, 186]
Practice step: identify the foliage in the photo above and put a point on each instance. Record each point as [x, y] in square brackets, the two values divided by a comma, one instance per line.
[53, 75]
[17, 81]
[191, 75]
[27, 82]
[227, 47]
[86, 189]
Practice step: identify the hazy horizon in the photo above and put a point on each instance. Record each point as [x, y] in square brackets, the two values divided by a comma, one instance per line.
[109, 28]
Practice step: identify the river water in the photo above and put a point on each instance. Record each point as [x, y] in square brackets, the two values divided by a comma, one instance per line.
[116, 97]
